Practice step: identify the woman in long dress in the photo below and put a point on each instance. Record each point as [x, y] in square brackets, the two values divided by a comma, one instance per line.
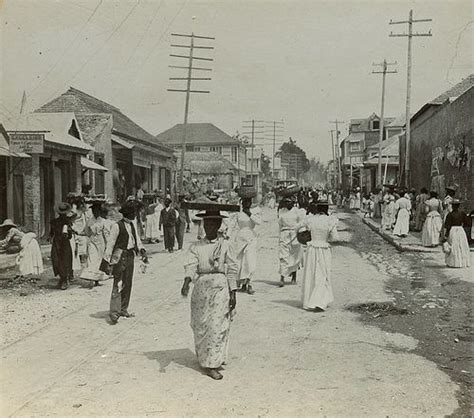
[29, 260]
[317, 289]
[431, 235]
[152, 223]
[243, 247]
[213, 298]
[420, 209]
[402, 209]
[290, 250]
[388, 211]
[61, 234]
[457, 246]
[97, 233]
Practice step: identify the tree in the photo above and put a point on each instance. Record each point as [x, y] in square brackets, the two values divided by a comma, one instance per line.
[294, 157]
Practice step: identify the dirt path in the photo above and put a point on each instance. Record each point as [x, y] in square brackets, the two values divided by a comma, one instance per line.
[283, 361]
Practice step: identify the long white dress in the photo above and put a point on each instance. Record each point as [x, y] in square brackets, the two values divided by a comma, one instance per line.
[431, 232]
[290, 250]
[242, 255]
[30, 259]
[210, 314]
[458, 254]
[152, 227]
[317, 290]
[97, 233]
[402, 225]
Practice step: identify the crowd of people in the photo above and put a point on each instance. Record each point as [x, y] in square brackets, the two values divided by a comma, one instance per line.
[440, 221]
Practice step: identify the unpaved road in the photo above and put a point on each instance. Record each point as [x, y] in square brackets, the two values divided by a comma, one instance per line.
[283, 361]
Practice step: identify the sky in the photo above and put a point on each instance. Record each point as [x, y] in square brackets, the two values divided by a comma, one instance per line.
[306, 62]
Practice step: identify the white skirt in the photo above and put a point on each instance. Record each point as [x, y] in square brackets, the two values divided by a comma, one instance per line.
[152, 228]
[30, 260]
[317, 288]
[459, 255]
[431, 229]
[403, 223]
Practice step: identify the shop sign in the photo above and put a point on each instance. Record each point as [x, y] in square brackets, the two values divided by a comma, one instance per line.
[26, 143]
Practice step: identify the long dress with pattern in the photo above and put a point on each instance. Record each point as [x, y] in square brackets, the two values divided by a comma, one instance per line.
[317, 289]
[290, 250]
[431, 234]
[210, 313]
[242, 255]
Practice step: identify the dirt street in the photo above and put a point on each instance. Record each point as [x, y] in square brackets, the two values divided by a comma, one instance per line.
[373, 352]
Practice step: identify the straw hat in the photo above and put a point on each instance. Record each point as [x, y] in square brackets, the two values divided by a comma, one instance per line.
[64, 208]
[8, 222]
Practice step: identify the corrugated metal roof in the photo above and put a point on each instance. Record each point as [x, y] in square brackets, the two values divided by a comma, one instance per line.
[206, 163]
[196, 133]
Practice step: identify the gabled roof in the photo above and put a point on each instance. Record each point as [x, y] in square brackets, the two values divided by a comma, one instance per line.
[206, 163]
[79, 102]
[197, 133]
[57, 128]
[92, 125]
[451, 94]
[398, 122]
[362, 125]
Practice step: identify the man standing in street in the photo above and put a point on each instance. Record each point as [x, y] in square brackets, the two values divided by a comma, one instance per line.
[168, 220]
[122, 246]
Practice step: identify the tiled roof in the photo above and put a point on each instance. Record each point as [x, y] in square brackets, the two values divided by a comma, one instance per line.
[92, 125]
[197, 133]
[455, 91]
[206, 163]
[79, 102]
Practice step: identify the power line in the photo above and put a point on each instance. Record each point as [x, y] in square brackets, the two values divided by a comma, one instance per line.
[408, 35]
[51, 69]
[384, 72]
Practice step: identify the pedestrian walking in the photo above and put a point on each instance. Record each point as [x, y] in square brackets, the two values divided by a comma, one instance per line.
[29, 260]
[61, 234]
[317, 289]
[152, 225]
[181, 221]
[420, 209]
[123, 245]
[95, 230]
[402, 208]
[213, 298]
[456, 247]
[290, 250]
[431, 234]
[447, 201]
[243, 247]
[168, 220]
[388, 215]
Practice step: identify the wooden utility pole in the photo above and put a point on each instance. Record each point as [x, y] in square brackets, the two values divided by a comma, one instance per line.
[409, 35]
[190, 68]
[338, 153]
[277, 130]
[384, 72]
[333, 168]
[253, 132]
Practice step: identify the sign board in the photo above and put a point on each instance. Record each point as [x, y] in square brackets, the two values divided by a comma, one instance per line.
[27, 143]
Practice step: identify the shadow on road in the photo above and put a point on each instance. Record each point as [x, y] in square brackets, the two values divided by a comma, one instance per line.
[294, 303]
[100, 315]
[182, 356]
[269, 282]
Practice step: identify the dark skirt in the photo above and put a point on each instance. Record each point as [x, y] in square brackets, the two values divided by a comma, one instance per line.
[61, 257]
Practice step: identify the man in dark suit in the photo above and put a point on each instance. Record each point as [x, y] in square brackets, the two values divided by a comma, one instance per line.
[168, 220]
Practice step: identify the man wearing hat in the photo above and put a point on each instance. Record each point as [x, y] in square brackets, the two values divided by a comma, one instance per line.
[182, 220]
[213, 298]
[122, 246]
[61, 233]
[168, 220]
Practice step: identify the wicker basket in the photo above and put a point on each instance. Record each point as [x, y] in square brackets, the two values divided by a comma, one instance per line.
[247, 191]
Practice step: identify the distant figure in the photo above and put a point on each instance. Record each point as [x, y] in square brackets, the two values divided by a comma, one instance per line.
[61, 233]
[388, 214]
[402, 208]
[152, 223]
[420, 209]
[433, 225]
[456, 247]
[168, 220]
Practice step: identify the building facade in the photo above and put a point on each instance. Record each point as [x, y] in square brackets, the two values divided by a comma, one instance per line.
[441, 143]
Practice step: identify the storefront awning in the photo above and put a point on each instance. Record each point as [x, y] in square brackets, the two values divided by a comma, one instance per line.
[122, 142]
[91, 165]
[5, 152]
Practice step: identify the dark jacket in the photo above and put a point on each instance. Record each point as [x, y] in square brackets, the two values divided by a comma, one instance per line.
[168, 217]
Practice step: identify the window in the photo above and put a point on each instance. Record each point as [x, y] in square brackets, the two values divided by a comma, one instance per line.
[216, 149]
[197, 149]
[375, 125]
[354, 147]
[234, 154]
